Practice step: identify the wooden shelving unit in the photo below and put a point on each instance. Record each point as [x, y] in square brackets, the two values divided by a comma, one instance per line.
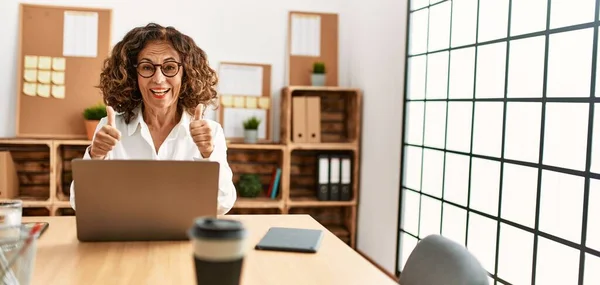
[340, 124]
[44, 166]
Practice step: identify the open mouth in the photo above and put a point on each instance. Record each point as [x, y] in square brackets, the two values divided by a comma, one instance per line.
[160, 92]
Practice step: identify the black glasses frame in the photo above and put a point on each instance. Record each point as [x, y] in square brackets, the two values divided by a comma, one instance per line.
[179, 64]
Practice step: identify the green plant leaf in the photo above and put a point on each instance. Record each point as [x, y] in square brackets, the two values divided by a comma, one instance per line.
[249, 185]
[252, 123]
[95, 112]
[319, 67]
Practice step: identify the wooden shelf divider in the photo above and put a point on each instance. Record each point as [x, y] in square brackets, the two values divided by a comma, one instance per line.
[44, 166]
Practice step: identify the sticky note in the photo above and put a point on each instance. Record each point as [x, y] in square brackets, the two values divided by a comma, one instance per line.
[238, 101]
[44, 62]
[227, 101]
[31, 61]
[58, 92]
[264, 103]
[58, 77]
[30, 75]
[29, 88]
[251, 102]
[43, 90]
[43, 76]
[58, 63]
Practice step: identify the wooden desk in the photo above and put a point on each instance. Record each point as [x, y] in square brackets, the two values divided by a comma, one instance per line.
[62, 259]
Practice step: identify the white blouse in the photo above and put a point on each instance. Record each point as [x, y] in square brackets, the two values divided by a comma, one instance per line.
[136, 143]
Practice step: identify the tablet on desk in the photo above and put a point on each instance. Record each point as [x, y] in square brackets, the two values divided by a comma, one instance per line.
[291, 239]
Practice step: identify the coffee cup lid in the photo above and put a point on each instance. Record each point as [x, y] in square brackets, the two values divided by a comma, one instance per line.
[213, 228]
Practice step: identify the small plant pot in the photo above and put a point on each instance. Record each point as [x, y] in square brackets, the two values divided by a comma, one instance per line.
[317, 79]
[250, 136]
[90, 128]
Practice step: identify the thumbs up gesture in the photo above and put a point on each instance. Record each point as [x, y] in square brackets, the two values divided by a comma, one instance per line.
[201, 133]
[106, 138]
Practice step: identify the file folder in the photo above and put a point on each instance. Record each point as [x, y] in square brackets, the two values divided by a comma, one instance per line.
[313, 119]
[298, 119]
[323, 177]
[334, 178]
[346, 178]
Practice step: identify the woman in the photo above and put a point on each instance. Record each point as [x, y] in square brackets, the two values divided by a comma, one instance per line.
[160, 83]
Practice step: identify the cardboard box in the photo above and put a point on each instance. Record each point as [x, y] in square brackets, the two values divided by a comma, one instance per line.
[9, 181]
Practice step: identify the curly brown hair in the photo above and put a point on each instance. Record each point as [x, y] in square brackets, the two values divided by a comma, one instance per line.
[118, 80]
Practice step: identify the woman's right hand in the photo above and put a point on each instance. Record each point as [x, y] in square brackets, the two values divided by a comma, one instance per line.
[106, 138]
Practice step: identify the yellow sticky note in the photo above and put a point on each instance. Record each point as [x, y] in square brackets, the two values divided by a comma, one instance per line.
[43, 90]
[58, 92]
[43, 76]
[264, 103]
[44, 62]
[31, 61]
[251, 102]
[30, 75]
[58, 63]
[58, 77]
[227, 101]
[29, 88]
[238, 102]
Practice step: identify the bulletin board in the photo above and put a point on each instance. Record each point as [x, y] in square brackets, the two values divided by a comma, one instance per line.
[60, 55]
[312, 37]
[244, 90]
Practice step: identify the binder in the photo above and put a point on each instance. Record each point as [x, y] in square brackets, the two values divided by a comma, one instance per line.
[323, 177]
[313, 122]
[334, 178]
[346, 178]
[298, 119]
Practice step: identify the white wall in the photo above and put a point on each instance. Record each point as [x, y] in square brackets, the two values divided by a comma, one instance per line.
[372, 48]
[375, 32]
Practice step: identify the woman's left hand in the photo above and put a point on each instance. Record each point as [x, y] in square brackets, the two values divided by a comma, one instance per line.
[201, 133]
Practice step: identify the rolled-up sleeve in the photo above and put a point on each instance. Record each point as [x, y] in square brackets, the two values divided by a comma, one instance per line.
[227, 192]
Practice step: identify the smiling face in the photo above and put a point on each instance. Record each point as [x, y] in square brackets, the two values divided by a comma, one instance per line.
[159, 91]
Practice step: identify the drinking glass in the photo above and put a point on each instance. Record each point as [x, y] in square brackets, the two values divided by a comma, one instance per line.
[11, 214]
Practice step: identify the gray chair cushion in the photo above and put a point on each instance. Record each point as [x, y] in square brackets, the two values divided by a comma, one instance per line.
[437, 260]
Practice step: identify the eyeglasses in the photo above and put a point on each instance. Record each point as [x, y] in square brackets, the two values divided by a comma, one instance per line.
[168, 69]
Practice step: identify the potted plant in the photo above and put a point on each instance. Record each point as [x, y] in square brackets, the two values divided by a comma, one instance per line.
[249, 185]
[251, 129]
[92, 116]
[318, 74]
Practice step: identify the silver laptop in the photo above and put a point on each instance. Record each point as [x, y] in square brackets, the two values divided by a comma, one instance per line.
[142, 200]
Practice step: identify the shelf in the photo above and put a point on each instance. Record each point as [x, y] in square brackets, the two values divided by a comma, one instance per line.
[25, 141]
[33, 163]
[320, 88]
[267, 146]
[338, 121]
[259, 202]
[33, 203]
[65, 152]
[317, 203]
[256, 146]
[73, 142]
[62, 204]
[324, 146]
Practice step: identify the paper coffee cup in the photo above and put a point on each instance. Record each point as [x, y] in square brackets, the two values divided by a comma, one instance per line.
[219, 247]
